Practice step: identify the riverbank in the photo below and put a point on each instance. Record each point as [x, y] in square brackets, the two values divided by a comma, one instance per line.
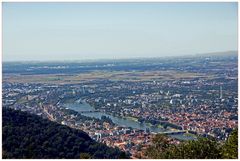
[131, 118]
[127, 121]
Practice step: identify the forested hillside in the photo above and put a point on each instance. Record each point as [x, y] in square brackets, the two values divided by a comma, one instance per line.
[203, 148]
[29, 136]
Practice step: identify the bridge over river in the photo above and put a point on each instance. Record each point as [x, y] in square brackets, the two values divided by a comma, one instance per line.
[90, 111]
[87, 110]
[163, 132]
[173, 132]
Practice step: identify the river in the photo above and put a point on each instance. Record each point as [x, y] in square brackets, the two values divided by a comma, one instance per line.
[85, 107]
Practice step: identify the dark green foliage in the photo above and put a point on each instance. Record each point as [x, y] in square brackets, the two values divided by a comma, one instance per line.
[203, 148]
[230, 148]
[29, 136]
[85, 156]
[160, 144]
[123, 155]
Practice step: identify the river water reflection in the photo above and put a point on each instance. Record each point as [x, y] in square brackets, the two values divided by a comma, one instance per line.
[85, 107]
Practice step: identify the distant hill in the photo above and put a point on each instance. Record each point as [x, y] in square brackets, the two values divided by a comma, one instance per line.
[29, 136]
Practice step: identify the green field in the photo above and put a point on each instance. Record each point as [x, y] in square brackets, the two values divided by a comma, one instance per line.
[111, 75]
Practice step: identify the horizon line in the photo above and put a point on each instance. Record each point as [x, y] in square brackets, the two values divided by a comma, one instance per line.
[124, 58]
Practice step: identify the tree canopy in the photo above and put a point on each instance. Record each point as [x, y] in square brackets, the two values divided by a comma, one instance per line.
[230, 148]
[202, 148]
[29, 136]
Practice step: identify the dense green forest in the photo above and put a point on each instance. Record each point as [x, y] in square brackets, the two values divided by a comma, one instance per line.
[203, 148]
[29, 136]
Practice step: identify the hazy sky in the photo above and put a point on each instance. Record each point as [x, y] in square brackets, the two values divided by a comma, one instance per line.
[75, 31]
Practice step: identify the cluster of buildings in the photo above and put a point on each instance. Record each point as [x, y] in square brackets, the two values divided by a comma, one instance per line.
[205, 106]
[132, 141]
[199, 106]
